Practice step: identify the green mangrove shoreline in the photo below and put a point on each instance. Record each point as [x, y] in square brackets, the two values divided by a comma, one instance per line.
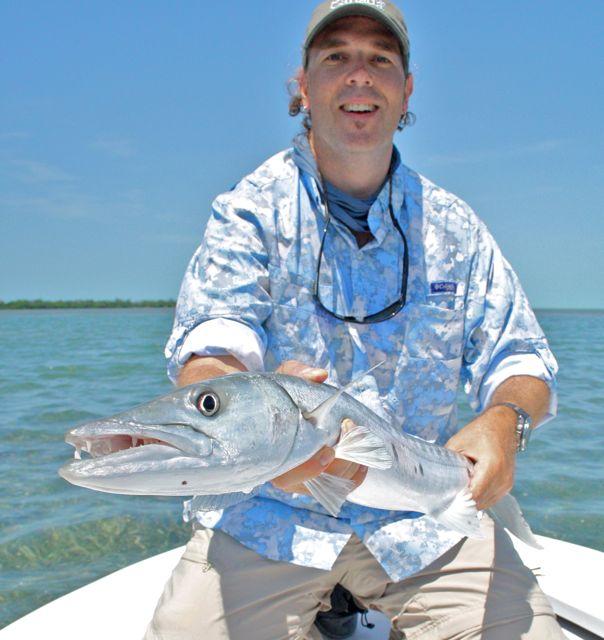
[86, 304]
[119, 303]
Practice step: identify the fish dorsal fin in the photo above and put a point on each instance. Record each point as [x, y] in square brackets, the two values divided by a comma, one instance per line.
[220, 501]
[319, 412]
[330, 491]
[362, 446]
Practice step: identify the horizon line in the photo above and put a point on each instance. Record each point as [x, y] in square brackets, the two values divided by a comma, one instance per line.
[91, 303]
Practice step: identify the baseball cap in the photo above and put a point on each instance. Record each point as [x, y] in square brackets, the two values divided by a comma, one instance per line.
[381, 10]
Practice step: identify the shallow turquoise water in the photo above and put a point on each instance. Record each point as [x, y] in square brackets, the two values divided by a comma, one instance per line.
[60, 368]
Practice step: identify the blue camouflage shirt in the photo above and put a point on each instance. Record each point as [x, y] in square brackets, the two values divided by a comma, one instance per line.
[466, 316]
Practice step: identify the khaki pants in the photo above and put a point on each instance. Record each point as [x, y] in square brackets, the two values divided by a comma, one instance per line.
[479, 589]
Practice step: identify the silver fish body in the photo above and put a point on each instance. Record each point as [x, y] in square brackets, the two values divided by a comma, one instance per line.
[226, 436]
[430, 475]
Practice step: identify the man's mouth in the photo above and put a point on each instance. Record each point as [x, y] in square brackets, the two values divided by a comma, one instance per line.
[359, 107]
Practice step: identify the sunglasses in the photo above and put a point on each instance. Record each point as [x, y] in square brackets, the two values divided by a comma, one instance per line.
[392, 309]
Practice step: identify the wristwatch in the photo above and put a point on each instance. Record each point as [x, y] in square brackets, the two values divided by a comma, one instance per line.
[523, 425]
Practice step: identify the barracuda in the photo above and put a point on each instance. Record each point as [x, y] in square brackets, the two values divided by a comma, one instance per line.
[221, 439]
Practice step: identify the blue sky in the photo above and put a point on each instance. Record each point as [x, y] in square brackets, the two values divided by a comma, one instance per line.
[120, 122]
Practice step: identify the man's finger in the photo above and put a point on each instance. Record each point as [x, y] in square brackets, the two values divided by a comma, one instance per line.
[360, 475]
[302, 370]
[314, 375]
[310, 469]
[479, 484]
[485, 489]
[342, 468]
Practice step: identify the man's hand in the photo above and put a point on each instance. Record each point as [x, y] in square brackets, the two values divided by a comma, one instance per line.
[198, 368]
[323, 460]
[489, 442]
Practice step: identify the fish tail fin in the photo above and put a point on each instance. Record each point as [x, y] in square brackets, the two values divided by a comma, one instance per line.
[507, 514]
[330, 491]
[362, 446]
[461, 515]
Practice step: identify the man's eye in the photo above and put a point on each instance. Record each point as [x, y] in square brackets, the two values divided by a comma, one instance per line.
[335, 57]
[382, 60]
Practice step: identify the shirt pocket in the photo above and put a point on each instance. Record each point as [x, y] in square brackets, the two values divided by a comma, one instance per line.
[427, 376]
[297, 329]
[292, 299]
[433, 332]
[291, 329]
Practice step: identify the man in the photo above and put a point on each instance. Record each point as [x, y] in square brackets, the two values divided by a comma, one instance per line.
[334, 254]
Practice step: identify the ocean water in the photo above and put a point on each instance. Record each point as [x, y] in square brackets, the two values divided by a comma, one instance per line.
[60, 368]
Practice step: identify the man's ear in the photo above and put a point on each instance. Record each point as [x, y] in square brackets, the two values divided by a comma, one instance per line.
[408, 91]
[302, 80]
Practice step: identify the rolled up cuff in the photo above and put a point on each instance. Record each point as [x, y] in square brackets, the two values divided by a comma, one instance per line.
[222, 336]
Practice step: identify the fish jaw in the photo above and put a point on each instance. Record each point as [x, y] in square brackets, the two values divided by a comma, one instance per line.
[166, 447]
[152, 469]
[131, 457]
[125, 431]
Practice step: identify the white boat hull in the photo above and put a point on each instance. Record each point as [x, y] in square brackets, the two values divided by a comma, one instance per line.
[121, 604]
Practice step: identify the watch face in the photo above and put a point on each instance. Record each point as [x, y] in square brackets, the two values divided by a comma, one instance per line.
[523, 425]
[524, 433]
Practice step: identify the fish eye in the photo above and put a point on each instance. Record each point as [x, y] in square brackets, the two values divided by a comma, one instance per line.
[208, 404]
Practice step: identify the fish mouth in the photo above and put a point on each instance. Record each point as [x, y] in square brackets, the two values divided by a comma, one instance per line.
[111, 439]
[97, 446]
[121, 457]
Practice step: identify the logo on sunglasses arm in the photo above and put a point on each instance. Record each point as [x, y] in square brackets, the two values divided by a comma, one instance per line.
[378, 4]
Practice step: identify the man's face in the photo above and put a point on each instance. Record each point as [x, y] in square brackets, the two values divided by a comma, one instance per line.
[355, 85]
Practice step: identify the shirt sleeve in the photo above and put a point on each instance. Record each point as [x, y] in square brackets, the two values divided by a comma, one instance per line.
[220, 337]
[521, 364]
[502, 337]
[227, 278]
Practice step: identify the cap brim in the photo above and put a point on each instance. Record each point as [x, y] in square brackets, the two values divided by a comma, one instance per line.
[355, 10]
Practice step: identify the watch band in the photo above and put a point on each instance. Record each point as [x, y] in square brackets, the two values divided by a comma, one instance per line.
[523, 424]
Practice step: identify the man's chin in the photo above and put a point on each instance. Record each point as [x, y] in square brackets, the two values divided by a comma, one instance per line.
[353, 139]
[364, 141]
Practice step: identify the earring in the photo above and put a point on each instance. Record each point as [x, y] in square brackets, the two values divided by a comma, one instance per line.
[407, 119]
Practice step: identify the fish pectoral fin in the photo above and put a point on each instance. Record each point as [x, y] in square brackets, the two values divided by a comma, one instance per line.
[508, 515]
[362, 446]
[319, 412]
[461, 515]
[219, 501]
[330, 491]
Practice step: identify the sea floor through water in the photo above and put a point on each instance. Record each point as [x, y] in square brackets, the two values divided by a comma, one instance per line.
[63, 367]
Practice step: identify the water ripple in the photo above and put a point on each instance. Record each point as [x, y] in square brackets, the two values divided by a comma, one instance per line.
[97, 363]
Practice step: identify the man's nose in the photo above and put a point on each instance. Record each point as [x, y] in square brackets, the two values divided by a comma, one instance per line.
[360, 74]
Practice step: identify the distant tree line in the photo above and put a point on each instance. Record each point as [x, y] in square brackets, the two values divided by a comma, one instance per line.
[85, 304]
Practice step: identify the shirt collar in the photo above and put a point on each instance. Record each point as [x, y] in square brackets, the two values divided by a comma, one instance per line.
[379, 220]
